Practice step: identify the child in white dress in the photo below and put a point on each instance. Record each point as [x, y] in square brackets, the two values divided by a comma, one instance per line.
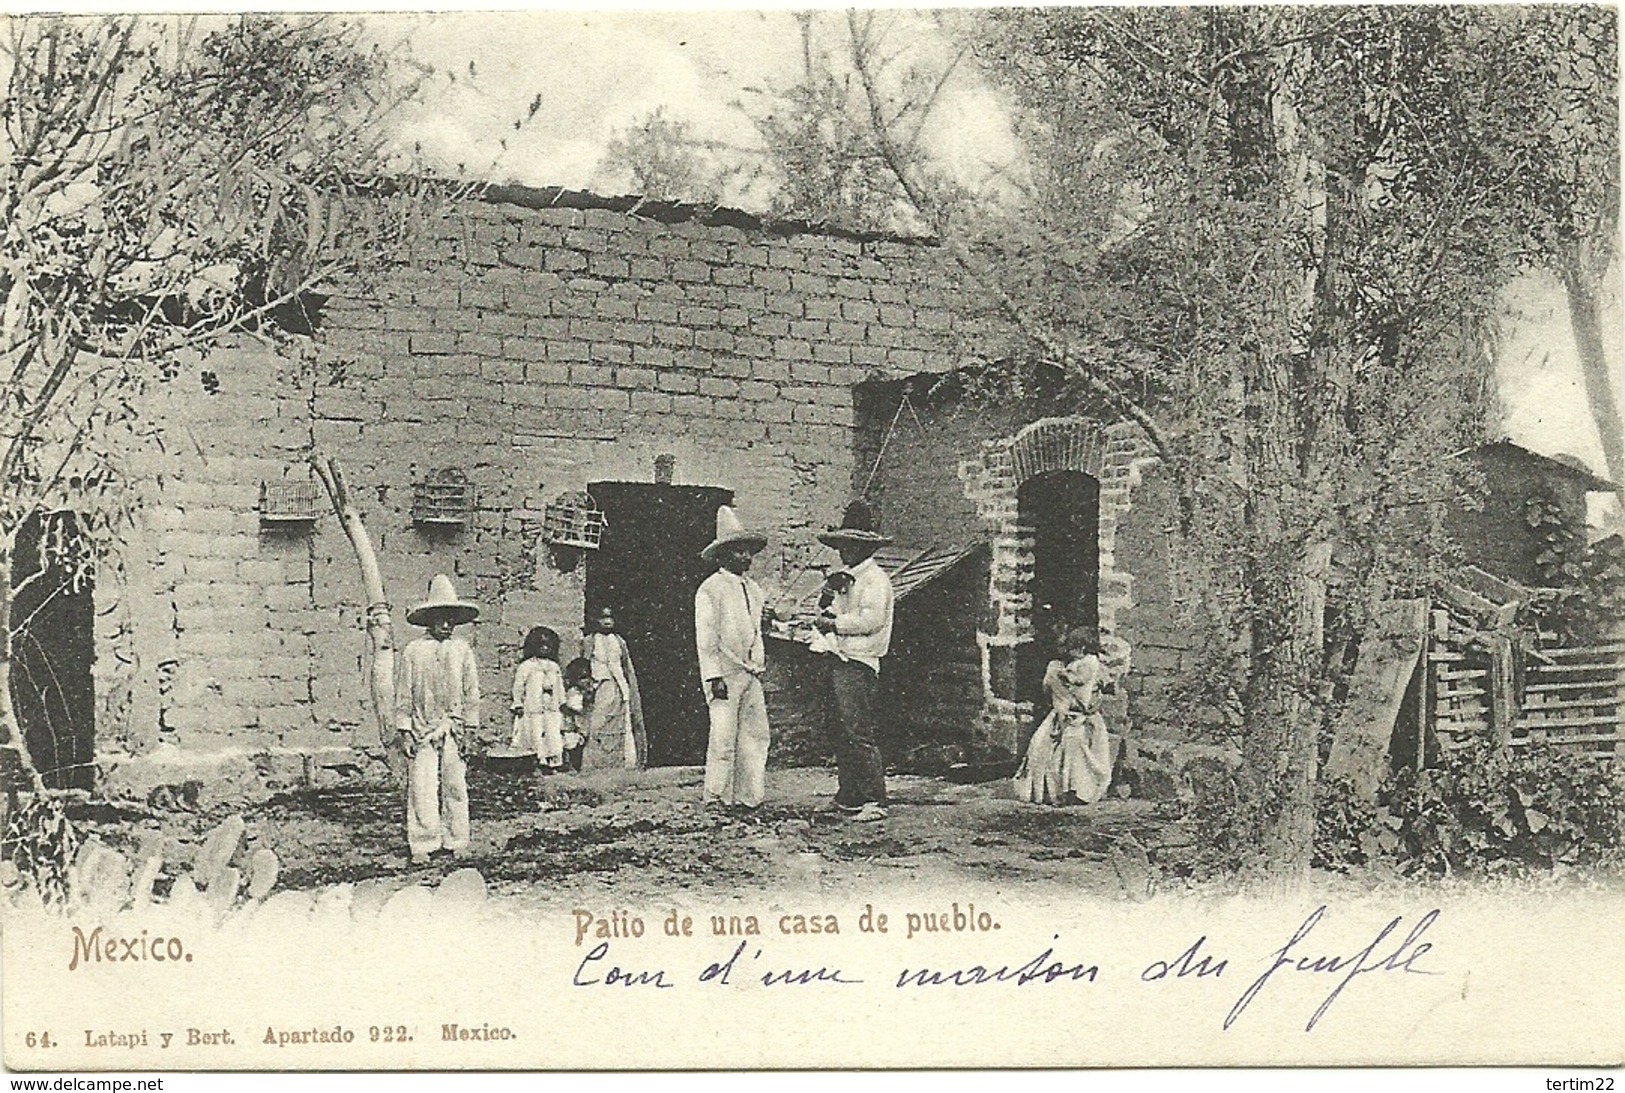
[538, 692]
[1069, 760]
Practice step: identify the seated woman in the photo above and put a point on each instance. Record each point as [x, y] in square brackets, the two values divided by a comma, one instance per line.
[1069, 760]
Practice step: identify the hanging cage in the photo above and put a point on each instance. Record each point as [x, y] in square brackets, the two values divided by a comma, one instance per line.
[573, 520]
[444, 498]
[289, 502]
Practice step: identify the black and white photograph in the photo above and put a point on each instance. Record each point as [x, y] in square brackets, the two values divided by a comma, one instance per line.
[989, 537]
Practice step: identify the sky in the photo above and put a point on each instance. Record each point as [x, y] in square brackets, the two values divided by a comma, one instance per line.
[596, 72]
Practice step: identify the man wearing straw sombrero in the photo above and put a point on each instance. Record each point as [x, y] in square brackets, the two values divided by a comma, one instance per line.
[855, 627]
[437, 700]
[728, 616]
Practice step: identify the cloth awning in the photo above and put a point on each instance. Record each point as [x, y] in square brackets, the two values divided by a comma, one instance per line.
[910, 568]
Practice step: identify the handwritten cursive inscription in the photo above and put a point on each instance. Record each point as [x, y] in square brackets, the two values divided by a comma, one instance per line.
[1040, 969]
[790, 977]
[615, 976]
[1290, 957]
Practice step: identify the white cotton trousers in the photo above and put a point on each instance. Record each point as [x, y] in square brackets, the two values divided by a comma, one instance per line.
[736, 754]
[437, 799]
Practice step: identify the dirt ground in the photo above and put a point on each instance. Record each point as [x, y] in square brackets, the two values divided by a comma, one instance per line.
[644, 834]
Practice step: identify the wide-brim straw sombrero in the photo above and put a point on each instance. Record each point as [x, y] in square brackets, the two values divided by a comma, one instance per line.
[730, 532]
[442, 600]
[857, 526]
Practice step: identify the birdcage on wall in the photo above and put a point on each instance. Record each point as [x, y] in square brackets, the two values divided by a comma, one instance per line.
[573, 520]
[288, 503]
[443, 499]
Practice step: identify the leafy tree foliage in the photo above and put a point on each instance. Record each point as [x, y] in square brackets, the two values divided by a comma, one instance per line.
[819, 156]
[816, 160]
[665, 159]
[1562, 68]
[1272, 237]
[165, 183]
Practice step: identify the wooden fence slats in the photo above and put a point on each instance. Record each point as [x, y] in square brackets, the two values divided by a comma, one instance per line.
[1572, 652]
[1570, 685]
[1570, 695]
[1572, 704]
[1617, 669]
[1566, 723]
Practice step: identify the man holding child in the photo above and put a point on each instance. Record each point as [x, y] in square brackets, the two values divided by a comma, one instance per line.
[854, 628]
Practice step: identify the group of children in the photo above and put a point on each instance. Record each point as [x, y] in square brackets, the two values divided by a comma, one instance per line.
[550, 703]
[585, 714]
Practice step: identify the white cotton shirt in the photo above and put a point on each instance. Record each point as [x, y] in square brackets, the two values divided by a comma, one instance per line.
[863, 615]
[437, 683]
[728, 625]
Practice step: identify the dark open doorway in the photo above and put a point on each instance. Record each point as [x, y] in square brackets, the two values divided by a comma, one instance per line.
[1061, 511]
[647, 567]
[53, 648]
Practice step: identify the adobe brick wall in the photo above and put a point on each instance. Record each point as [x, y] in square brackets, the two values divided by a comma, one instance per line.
[917, 491]
[950, 474]
[1117, 455]
[536, 350]
[205, 621]
[1156, 624]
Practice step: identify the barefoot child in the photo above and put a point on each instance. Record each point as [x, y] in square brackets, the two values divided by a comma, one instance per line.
[538, 691]
[437, 700]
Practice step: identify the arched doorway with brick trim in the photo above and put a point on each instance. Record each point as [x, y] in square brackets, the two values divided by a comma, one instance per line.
[1075, 476]
[1058, 518]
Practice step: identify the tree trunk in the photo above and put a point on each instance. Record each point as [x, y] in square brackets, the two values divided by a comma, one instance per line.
[1282, 728]
[1288, 598]
[1581, 292]
[9, 725]
[380, 630]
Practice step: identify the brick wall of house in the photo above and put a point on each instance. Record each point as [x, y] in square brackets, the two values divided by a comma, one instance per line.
[1116, 455]
[1156, 624]
[535, 349]
[950, 473]
[917, 490]
[206, 620]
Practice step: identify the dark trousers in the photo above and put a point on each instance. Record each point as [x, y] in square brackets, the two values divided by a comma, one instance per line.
[855, 693]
